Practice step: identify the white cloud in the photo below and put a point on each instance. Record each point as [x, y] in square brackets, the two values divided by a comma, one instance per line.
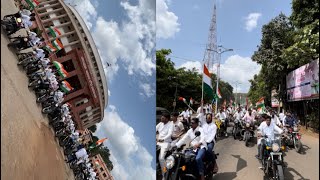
[167, 22]
[192, 64]
[132, 42]
[109, 92]
[148, 90]
[86, 10]
[251, 21]
[239, 69]
[125, 146]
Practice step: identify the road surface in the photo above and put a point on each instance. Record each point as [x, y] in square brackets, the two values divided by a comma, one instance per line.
[28, 148]
[236, 161]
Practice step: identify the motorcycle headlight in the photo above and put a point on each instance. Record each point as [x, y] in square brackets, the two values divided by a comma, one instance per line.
[19, 20]
[247, 125]
[275, 147]
[170, 162]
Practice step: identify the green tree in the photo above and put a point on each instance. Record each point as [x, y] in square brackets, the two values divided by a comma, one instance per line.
[93, 128]
[187, 82]
[105, 154]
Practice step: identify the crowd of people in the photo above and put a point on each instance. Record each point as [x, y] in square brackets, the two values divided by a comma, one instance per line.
[176, 132]
[49, 92]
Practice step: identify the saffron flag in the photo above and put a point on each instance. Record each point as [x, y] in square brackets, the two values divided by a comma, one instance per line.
[32, 3]
[207, 82]
[54, 31]
[100, 141]
[182, 99]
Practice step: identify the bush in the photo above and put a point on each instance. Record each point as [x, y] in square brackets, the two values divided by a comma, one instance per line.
[313, 120]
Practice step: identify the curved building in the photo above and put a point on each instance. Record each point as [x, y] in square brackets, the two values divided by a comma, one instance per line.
[80, 59]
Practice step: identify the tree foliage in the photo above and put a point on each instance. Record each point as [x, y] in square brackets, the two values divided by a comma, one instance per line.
[105, 154]
[187, 82]
[286, 44]
[93, 128]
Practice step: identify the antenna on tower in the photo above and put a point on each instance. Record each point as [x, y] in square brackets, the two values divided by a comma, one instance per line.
[210, 55]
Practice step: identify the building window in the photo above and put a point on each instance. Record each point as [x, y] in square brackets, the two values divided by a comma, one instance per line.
[68, 65]
[104, 175]
[101, 169]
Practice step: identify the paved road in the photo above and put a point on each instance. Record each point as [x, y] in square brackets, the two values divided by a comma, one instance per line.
[28, 148]
[238, 162]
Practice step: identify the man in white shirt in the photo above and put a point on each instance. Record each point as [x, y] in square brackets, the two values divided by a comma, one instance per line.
[165, 129]
[178, 128]
[209, 131]
[275, 119]
[268, 130]
[27, 20]
[282, 116]
[39, 53]
[222, 116]
[199, 144]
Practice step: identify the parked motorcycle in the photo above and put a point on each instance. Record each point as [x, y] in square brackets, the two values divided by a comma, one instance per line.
[273, 158]
[20, 43]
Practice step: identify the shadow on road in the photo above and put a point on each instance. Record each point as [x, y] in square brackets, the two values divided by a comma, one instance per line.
[225, 175]
[304, 149]
[288, 173]
[241, 162]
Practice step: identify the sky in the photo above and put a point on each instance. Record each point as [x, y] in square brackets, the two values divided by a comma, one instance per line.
[185, 31]
[124, 32]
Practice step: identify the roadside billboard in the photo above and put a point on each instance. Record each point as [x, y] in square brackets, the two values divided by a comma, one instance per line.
[303, 83]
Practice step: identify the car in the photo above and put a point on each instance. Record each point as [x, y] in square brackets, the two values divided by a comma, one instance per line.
[159, 112]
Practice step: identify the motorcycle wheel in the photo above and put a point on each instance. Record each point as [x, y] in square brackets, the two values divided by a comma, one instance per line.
[32, 84]
[246, 138]
[297, 145]
[279, 172]
[42, 98]
[234, 132]
[46, 110]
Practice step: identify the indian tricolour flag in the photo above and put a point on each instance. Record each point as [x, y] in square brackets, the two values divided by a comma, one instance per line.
[260, 104]
[57, 44]
[54, 31]
[219, 93]
[61, 71]
[50, 48]
[207, 84]
[32, 3]
[65, 86]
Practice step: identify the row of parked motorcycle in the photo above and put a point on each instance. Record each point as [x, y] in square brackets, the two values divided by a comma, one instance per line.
[58, 113]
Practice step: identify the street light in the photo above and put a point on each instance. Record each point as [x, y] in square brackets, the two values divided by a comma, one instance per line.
[237, 83]
[220, 51]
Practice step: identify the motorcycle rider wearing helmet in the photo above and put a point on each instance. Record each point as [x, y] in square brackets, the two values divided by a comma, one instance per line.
[268, 128]
[199, 144]
[165, 129]
[209, 131]
[222, 116]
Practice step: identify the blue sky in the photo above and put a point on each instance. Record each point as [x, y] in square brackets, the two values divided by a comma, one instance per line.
[239, 26]
[124, 32]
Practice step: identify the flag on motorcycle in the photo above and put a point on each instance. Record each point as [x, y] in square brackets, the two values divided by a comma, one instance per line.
[32, 3]
[57, 44]
[54, 31]
[66, 87]
[100, 141]
[49, 47]
[207, 82]
[182, 99]
[191, 101]
[61, 71]
[219, 94]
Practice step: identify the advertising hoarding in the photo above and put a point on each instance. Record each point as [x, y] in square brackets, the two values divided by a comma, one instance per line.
[274, 100]
[303, 83]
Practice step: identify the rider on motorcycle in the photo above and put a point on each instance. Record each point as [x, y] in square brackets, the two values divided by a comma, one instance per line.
[178, 128]
[268, 129]
[222, 116]
[250, 118]
[165, 129]
[275, 119]
[210, 130]
[290, 120]
[199, 144]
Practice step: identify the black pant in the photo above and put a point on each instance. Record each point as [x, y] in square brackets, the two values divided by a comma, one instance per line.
[16, 15]
[261, 149]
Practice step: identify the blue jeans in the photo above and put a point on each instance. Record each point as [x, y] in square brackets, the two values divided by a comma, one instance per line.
[200, 155]
[210, 153]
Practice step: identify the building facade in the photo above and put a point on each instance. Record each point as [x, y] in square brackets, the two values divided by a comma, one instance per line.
[100, 167]
[80, 59]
